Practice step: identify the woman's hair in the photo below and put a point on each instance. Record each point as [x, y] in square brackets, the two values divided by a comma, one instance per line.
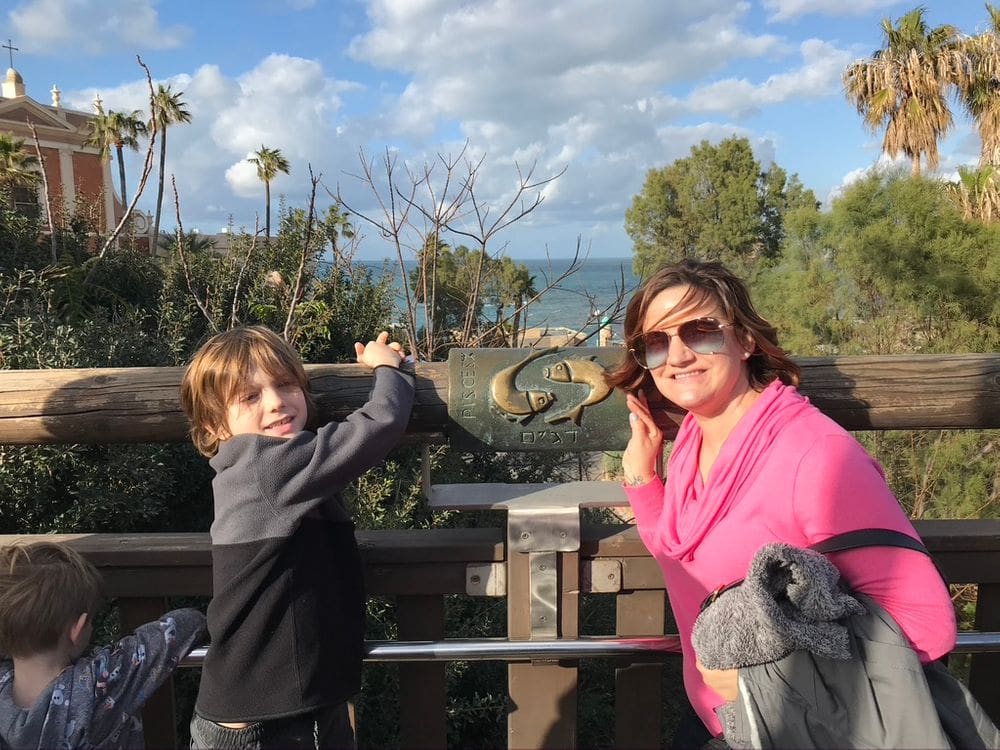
[44, 588]
[707, 282]
[221, 367]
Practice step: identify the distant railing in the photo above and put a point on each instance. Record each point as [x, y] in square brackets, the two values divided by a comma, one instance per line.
[418, 569]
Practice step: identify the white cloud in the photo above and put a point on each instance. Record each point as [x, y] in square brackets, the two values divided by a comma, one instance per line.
[788, 10]
[819, 75]
[605, 91]
[242, 178]
[92, 26]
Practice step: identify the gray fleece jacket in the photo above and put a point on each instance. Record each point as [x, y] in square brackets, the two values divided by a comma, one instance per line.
[819, 668]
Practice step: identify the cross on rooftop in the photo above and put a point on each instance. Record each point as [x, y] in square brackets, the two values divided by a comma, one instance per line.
[11, 49]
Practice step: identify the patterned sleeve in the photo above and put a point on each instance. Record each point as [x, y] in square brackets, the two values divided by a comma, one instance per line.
[126, 673]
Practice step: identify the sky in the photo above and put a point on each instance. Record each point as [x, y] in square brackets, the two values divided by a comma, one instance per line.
[592, 92]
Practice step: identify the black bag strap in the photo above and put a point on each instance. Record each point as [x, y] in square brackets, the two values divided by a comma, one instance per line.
[874, 538]
[846, 541]
[869, 538]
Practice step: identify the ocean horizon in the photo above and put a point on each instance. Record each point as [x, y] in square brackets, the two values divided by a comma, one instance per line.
[577, 302]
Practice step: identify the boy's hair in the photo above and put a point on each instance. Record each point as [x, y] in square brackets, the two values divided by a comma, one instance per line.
[218, 370]
[44, 588]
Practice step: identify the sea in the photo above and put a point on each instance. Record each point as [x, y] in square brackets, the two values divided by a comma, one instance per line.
[575, 296]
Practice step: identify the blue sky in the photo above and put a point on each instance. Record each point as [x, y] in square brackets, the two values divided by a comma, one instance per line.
[602, 90]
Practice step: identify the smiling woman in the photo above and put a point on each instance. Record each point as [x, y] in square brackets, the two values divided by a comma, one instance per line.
[753, 463]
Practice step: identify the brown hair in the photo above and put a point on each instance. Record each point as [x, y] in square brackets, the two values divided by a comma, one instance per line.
[44, 588]
[219, 369]
[707, 281]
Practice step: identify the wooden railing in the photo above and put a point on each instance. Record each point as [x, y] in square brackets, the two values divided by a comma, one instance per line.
[419, 568]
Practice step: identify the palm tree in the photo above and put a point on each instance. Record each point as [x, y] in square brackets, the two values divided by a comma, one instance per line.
[904, 86]
[118, 129]
[981, 93]
[168, 109]
[976, 193]
[269, 161]
[18, 168]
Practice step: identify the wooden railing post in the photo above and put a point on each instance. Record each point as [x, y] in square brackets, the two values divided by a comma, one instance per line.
[422, 686]
[158, 716]
[639, 687]
[543, 588]
[985, 667]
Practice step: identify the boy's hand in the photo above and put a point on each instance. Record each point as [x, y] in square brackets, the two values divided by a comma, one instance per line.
[379, 352]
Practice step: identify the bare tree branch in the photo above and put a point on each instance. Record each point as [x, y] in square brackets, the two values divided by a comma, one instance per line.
[45, 187]
[297, 291]
[234, 308]
[184, 263]
[147, 167]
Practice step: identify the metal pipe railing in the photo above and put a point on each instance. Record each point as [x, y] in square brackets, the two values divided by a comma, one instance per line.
[501, 649]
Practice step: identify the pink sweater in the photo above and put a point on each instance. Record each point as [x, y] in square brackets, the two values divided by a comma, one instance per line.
[786, 473]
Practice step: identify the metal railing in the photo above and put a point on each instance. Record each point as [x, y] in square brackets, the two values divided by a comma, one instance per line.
[501, 649]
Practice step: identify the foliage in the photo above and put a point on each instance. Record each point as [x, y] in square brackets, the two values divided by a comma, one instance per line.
[893, 268]
[168, 109]
[976, 193]
[269, 162]
[17, 166]
[118, 130]
[904, 86]
[465, 280]
[716, 204]
[980, 90]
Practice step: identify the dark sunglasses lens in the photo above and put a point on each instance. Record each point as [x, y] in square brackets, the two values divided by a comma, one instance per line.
[654, 349]
[702, 336]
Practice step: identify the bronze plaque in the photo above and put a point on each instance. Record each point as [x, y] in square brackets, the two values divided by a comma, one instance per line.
[531, 399]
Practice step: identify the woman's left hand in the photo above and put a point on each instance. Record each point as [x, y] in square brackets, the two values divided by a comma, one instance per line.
[645, 443]
[725, 682]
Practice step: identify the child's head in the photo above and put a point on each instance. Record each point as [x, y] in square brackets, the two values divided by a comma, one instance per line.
[222, 366]
[44, 588]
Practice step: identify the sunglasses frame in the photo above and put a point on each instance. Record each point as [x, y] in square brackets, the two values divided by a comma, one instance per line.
[670, 337]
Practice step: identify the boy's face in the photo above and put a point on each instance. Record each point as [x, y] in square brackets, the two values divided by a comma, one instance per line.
[264, 405]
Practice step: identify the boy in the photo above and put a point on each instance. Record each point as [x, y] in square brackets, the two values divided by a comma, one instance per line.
[50, 695]
[287, 613]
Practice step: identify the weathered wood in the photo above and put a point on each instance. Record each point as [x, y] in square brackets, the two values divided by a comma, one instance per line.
[422, 693]
[985, 667]
[639, 687]
[977, 539]
[158, 714]
[140, 404]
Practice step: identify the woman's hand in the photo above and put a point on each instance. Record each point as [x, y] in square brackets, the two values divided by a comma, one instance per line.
[645, 446]
[725, 682]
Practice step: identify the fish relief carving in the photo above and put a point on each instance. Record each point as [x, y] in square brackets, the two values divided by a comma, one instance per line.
[513, 403]
[582, 371]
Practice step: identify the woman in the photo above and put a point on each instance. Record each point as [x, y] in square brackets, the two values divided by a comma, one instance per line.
[753, 462]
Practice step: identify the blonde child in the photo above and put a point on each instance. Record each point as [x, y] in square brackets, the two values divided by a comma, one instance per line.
[287, 614]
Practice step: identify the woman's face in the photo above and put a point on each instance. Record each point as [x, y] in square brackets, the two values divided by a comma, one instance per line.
[704, 384]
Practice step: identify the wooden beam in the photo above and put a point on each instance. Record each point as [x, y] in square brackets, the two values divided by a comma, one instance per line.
[140, 404]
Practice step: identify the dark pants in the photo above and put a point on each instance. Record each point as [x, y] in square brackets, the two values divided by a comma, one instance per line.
[323, 729]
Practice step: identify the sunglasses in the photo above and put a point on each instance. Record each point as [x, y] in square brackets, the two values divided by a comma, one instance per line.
[701, 335]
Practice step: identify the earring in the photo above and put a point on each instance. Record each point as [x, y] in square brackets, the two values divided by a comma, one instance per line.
[746, 355]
